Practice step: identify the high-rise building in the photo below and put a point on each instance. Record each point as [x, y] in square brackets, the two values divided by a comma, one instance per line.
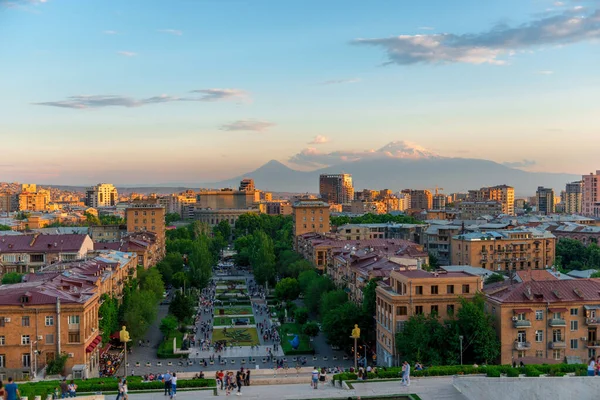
[336, 188]
[439, 201]
[9, 202]
[503, 193]
[573, 197]
[34, 201]
[545, 200]
[247, 185]
[101, 195]
[421, 199]
[591, 194]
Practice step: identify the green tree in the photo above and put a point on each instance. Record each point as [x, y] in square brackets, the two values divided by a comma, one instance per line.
[57, 365]
[152, 281]
[311, 329]
[139, 313]
[168, 325]
[434, 262]
[496, 277]
[572, 253]
[301, 315]
[595, 275]
[172, 217]
[294, 269]
[287, 289]
[331, 300]
[481, 342]
[369, 297]
[338, 324]
[12, 277]
[5, 228]
[306, 278]
[223, 228]
[109, 317]
[315, 290]
[422, 339]
[201, 262]
[91, 219]
[374, 219]
[182, 307]
[262, 258]
[180, 280]
[170, 265]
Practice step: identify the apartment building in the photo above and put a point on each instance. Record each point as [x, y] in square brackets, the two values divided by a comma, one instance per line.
[310, 215]
[336, 188]
[144, 245]
[421, 200]
[34, 201]
[437, 241]
[24, 253]
[411, 232]
[101, 195]
[538, 321]
[503, 193]
[278, 207]
[573, 198]
[545, 200]
[9, 202]
[227, 199]
[107, 233]
[213, 217]
[247, 185]
[147, 216]
[367, 207]
[439, 201]
[504, 250]
[591, 194]
[470, 210]
[415, 292]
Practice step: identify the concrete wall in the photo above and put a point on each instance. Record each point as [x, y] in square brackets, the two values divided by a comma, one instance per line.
[571, 387]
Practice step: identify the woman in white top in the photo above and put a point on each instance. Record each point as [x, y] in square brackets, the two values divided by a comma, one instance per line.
[591, 367]
[125, 397]
[174, 385]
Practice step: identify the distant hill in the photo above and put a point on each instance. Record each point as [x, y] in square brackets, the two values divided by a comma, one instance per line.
[453, 174]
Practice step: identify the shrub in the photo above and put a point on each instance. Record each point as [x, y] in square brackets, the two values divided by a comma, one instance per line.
[531, 371]
[513, 373]
[493, 372]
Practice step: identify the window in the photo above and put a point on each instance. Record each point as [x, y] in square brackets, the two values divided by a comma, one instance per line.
[73, 337]
[450, 309]
[418, 289]
[49, 320]
[539, 315]
[539, 353]
[50, 338]
[574, 311]
[450, 289]
[493, 310]
[574, 344]
[2, 321]
[401, 310]
[574, 325]
[26, 360]
[2, 340]
[73, 319]
[25, 339]
[465, 288]
[434, 289]
[556, 354]
[418, 310]
[539, 336]
[2, 361]
[556, 335]
[434, 310]
[36, 258]
[24, 321]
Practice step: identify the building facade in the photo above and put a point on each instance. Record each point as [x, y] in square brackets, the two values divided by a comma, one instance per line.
[421, 200]
[336, 188]
[591, 194]
[101, 195]
[545, 200]
[573, 198]
[503, 193]
[310, 216]
[147, 217]
[504, 250]
[477, 209]
[227, 199]
[417, 292]
[213, 217]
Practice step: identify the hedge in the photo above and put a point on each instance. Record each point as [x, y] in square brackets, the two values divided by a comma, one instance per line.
[491, 371]
[110, 384]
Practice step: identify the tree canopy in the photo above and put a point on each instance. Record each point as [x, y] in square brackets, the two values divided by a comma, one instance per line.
[571, 254]
[287, 289]
[11, 278]
[373, 219]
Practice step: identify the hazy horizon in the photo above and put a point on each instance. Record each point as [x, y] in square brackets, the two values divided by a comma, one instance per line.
[148, 92]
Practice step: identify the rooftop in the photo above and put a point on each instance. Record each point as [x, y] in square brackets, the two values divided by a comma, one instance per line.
[53, 243]
[552, 291]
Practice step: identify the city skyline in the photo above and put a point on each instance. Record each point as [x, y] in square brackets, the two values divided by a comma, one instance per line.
[204, 91]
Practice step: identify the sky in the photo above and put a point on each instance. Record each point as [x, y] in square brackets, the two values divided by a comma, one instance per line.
[148, 91]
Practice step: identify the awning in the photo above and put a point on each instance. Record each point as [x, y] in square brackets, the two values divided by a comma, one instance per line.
[94, 344]
[522, 310]
[558, 309]
[115, 335]
[592, 307]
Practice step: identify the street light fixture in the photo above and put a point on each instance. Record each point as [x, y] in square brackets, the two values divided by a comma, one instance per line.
[461, 349]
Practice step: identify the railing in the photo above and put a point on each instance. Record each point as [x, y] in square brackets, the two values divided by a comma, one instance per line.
[557, 345]
[522, 323]
[557, 322]
[593, 343]
[592, 321]
[522, 345]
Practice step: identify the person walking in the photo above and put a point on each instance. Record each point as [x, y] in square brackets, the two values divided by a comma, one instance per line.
[406, 374]
[167, 381]
[72, 389]
[64, 389]
[120, 389]
[315, 378]
[125, 390]
[11, 390]
[591, 369]
[239, 383]
[174, 385]
[247, 378]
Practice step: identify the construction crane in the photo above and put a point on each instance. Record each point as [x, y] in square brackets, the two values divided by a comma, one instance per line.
[437, 189]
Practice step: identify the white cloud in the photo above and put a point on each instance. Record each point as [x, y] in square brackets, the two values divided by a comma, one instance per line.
[175, 32]
[311, 157]
[319, 139]
[546, 72]
[127, 53]
[340, 81]
[248, 125]
[559, 3]
[109, 32]
[565, 28]
[101, 101]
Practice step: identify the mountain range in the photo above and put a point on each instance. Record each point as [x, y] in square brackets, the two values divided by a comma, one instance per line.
[453, 174]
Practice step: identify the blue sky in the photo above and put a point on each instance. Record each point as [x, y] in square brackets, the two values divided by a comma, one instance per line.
[198, 90]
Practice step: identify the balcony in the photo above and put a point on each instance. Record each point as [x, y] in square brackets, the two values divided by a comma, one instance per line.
[73, 327]
[595, 321]
[554, 322]
[593, 344]
[557, 345]
[522, 345]
[522, 323]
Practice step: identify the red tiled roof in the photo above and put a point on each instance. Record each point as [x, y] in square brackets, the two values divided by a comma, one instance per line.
[42, 243]
[44, 292]
[536, 275]
[546, 291]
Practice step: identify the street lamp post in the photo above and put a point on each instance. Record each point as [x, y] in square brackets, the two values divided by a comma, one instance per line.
[32, 354]
[355, 335]
[461, 349]
[124, 338]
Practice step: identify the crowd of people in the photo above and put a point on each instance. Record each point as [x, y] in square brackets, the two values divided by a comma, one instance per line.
[110, 363]
[228, 382]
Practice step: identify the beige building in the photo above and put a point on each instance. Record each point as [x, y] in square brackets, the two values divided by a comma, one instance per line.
[476, 209]
[539, 321]
[227, 199]
[34, 201]
[503, 193]
[310, 215]
[147, 216]
[421, 200]
[415, 292]
[591, 194]
[101, 195]
[504, 250]
[213, 217]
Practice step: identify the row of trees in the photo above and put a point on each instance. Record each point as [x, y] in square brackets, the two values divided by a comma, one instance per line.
[572, 254]
[374, 219]
[428, 340]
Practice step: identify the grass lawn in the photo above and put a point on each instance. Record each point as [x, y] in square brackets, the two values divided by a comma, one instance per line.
[239, 310]
[228, 321]
[239, 336]
[165, 349]
[293, 328]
